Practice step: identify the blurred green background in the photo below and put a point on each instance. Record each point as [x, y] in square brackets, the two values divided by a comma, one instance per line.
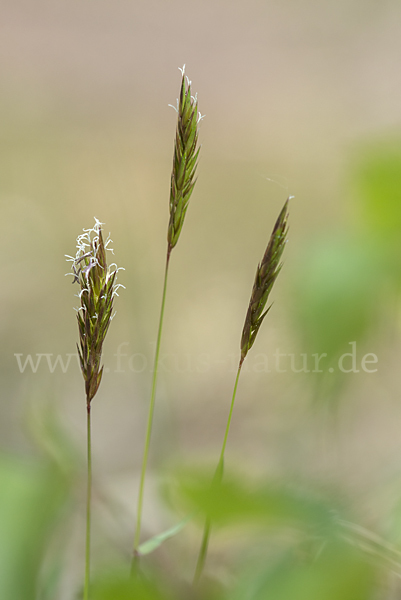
[300, 99]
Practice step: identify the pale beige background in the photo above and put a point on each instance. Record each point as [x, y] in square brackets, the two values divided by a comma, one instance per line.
[291, 91]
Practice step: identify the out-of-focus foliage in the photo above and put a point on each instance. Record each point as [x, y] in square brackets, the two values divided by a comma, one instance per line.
[338, 290]
[235, 501]
[345, 283]
[121, 587]
[154, 542]
[336, 572]
[31, 496]
[319, 559]
[377, 183]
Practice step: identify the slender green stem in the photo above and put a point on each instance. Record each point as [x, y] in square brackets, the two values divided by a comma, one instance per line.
[223, 449]
[150, 420]
[88, 503]
[216, 479]
[203, 551]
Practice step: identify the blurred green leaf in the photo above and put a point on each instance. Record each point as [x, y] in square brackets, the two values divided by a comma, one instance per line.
[337, 572]
[156, 541]
[235, 501]
[337, 293]
[377, 178]
[51, 437]
[120, 587]
[341, 286]
[31, 495]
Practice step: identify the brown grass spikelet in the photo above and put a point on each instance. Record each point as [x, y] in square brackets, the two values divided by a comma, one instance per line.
[98, 288]
[266, 275]
[185, 159]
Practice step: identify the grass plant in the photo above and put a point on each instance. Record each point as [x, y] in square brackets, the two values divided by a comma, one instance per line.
[186, 152]
[98, 286]
[322, 553]
[266, 275]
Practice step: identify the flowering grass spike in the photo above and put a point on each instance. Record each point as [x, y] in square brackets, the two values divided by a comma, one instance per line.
[182, 184]
[185, 159]
[266, 275]
[98, 288]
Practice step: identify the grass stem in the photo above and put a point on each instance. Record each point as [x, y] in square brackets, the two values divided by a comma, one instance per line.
[266, 275]
[98, 286]
[150, 421]
[216, 479]
[88, 503]
[203, 551]
[223, 449]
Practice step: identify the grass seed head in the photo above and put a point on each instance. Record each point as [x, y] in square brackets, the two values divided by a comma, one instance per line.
[266, 275]
[98, 286]
[185, 159]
